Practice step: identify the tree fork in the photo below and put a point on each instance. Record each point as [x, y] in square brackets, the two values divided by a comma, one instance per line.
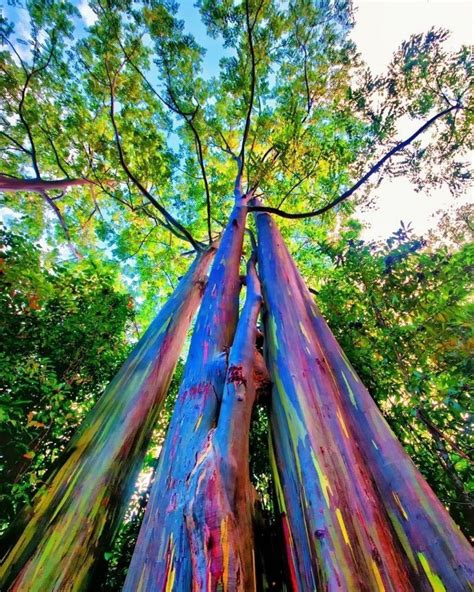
[356, 512]
[57, 543]
[162, 556]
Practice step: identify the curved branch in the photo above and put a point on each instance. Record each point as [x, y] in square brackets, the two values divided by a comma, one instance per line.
[204, 176]
[137, 183]
[62, 223]
[17, 144]
[21, 114]
[188, 117]
[56, 155]
[361, 181]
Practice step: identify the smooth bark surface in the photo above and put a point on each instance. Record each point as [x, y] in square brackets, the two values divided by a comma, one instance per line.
[357, 515]
[38, 185]
[56, 544]
[162, 557]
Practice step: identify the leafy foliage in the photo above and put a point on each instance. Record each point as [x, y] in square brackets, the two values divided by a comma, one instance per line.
[64, 335]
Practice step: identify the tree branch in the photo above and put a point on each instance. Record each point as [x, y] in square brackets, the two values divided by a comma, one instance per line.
[134, 179]
[188, 117]
[8, 183]
[62, 223]
[362, 180]
[250, 27]
[56, 155]
[204, 176]
[17, 144]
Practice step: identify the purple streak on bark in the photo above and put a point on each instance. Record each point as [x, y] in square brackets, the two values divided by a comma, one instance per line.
[220, 496]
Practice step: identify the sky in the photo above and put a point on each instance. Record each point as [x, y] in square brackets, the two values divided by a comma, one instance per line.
[380, 27]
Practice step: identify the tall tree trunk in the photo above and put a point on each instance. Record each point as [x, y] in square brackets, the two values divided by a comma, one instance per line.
[162, 557]
[56, 544]
[356, 512]
[220, 498]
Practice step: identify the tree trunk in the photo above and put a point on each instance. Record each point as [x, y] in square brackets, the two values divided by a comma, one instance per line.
[220, 498]
[356, 512]
[56, 544]
[162, 557]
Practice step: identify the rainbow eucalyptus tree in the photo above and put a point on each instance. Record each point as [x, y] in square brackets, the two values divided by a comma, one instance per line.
[163, 556]
[295, 113]
[219, 512]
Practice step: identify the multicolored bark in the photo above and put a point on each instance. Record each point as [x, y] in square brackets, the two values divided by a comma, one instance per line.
[162, 557]
[220, 496]
[357, 515]
[38, 185]
[56, 544]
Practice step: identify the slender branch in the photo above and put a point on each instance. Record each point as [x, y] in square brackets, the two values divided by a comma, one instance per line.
[19, 146]
[204, 176]
[89, 217]
[142, 242]
[295, 186]
[134, 179]
[62, 223]
[22, 63]
[309, 98]
[144, 78]
[27, 127]
[252, 91]
[56, 155]
[227, 148]
[362, 180]
[21, 114]
[188, 117]
[436, 432]
[166, 225]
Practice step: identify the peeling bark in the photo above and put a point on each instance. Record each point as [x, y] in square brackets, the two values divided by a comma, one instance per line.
[162, 557]
[57, 543]
[356, 513]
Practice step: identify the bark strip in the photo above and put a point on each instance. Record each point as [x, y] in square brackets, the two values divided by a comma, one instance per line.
[162, 557]
[356, 513]
[56, 544]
